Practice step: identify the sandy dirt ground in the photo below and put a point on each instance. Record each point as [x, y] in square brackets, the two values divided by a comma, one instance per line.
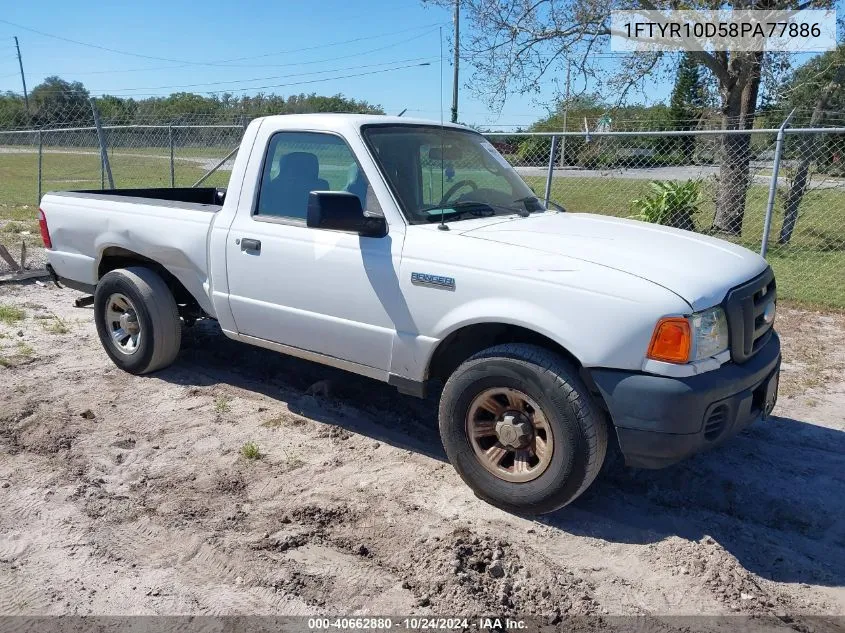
[130, 495]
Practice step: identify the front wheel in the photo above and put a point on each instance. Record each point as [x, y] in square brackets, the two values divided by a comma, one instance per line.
[137, 319]
[521, 428]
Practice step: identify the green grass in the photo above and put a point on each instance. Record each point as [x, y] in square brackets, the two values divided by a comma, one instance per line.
[810, 270]
[812, 279]
[250, 451]
[19, 213]
[10, 357]
[273, 423]
[55, 325]
[16, 228]
[11, 314]
[221, 404]
[82, 171]
[14, 220]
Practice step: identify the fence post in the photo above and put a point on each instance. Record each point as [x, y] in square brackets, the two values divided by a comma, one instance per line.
[40, 159]
[172, 168]
[101, 137]
[551, 169]
[773, 185]
[216, 167]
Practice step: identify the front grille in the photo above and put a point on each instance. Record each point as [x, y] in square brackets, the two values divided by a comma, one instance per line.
[745, 306]
[715, 422]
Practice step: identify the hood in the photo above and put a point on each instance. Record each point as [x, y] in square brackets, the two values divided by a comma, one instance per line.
[698, 268]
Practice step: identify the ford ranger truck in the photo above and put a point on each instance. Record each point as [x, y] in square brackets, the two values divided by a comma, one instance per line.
[411, 252]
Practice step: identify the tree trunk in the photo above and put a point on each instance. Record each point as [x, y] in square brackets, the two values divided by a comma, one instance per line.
[807, 149]
[738, 110]
[797, 189]
[688, 149]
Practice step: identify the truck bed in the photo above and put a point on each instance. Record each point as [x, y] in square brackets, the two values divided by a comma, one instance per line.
[209, 196]
[168, 226]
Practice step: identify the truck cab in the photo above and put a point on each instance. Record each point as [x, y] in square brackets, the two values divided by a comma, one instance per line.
[411, 252]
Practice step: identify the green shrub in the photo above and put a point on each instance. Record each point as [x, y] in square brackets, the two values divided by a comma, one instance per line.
[670, 203]
[250, 451]
[11, 314]
[600, 153]
[534, 151]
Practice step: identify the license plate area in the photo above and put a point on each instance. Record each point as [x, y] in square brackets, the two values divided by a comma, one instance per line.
[766, 395]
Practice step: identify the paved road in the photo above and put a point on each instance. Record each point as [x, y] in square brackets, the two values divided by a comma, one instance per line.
[681, 172]
[677, 172]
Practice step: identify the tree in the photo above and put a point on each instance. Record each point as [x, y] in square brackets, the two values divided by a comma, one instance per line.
[55, 99]
[581, 107]
[512, 44]
[13, 112]
[818, 83]
[687, 103]
[57, 102]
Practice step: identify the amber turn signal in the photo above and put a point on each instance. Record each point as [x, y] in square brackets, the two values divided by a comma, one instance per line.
[671, 341]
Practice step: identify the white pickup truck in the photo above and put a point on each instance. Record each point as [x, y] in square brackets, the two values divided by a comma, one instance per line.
[411, 252]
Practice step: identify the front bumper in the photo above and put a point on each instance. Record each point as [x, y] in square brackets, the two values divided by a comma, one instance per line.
[660, 421]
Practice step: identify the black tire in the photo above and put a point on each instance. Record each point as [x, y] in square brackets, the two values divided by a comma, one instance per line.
[157, 317]
[578, 426]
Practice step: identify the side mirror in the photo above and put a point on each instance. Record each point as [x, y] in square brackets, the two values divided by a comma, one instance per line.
[341, 211]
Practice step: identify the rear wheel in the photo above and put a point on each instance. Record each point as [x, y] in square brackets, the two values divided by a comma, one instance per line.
[521, 428]
[137, 319]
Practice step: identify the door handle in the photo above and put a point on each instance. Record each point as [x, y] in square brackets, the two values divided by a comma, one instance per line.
[248, 244]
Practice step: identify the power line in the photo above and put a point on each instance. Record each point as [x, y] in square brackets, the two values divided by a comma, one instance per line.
[283, 85]
[224, 62]
[237, 81]
[288, 64]
[97, 46]
[313, 81]
[330, 44]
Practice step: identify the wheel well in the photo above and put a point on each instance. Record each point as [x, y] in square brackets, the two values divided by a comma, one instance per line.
[471, 339]
[115, 257]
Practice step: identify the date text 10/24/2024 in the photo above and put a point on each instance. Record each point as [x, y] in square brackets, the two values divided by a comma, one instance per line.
[417, 624]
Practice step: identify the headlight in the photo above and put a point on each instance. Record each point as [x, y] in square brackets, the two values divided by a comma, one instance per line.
[710, 333]
[684, 339]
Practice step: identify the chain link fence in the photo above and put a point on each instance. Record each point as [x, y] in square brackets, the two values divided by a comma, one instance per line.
[37, 161]
[780, 194]
[732, 185]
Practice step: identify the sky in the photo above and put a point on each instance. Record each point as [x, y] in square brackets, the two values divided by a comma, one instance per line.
[369, 50]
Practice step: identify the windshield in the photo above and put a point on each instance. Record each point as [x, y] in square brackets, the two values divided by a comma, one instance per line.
[446, 172]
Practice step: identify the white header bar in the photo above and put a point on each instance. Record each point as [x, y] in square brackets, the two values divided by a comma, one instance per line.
[810, 30]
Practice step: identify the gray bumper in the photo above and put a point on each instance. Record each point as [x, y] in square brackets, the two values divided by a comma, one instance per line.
[660, 420]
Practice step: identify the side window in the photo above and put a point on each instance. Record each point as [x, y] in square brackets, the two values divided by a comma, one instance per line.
[298, 163]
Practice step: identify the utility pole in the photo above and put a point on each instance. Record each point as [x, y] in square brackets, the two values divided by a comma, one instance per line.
[456, 62]
[565, 112]
[23, 79]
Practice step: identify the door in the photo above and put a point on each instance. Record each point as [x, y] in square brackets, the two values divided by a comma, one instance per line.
[329, 292]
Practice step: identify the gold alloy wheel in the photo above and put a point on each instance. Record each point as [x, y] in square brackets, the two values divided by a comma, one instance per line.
[510, 435]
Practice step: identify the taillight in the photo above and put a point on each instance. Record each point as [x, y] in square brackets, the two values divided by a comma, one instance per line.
[45, 232]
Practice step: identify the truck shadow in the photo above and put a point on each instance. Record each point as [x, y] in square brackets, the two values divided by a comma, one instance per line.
[773, 497]
[319, 392]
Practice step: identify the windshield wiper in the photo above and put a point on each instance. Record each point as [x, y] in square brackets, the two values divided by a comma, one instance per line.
[479, 209]
[530, 201]
[534, 199]
[456, 210]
